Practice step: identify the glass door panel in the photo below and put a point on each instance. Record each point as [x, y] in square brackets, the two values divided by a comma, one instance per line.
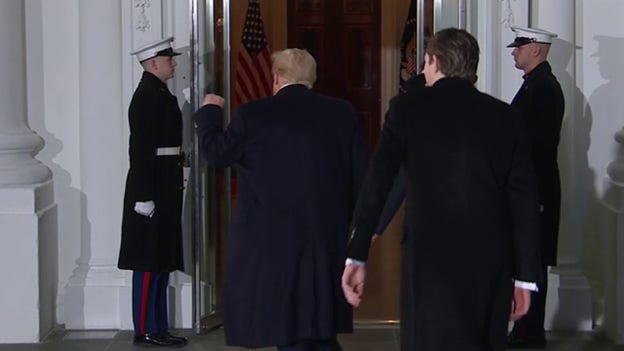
[447, 14]
[211, 186]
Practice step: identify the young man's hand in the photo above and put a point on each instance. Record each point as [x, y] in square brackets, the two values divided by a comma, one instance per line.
[520, 303]
[353, 279]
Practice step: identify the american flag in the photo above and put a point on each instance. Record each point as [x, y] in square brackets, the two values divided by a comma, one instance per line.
[253, 74]
[408, 48]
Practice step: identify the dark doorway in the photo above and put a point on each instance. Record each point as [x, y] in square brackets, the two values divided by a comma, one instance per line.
[344, 38]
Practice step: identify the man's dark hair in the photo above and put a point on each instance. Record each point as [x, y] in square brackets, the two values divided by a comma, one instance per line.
[457, 52]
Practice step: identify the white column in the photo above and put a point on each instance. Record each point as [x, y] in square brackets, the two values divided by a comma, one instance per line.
[17, 141]
[97, 295]
[569, 303]
[27, 210]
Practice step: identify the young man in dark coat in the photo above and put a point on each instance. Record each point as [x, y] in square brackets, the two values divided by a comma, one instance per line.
[399, 188]
[470, 253]
[541, 103]
[301, 157]
[151, 238]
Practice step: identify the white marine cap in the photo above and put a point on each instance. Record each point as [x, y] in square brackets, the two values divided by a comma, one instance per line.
[158, 48]
[531, 35]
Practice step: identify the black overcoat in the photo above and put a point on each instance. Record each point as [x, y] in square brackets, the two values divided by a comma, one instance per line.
[471, 214]
[153, 244]
[541, 103]
[300, 158]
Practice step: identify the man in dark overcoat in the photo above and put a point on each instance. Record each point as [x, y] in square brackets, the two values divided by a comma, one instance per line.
[151, 238]
[541, 103]
[301, 157]
[470, 253]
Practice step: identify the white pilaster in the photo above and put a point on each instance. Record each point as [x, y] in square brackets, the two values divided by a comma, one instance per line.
[97, 294]
[27, 210]
[569, 301]
[488, 16]
[614, 201]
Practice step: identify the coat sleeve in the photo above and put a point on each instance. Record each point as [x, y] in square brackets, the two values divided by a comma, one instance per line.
[395, 199]
[360, 156]
[387, 159]
[523, 204]
[143, 138]
[221, 148]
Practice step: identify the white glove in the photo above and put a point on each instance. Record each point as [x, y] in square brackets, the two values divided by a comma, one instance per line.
[145, 208]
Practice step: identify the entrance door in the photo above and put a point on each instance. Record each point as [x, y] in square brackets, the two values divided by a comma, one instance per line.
[344, 38]
[211, 199]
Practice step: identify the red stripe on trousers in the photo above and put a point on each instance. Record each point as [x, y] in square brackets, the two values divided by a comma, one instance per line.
[144, 298]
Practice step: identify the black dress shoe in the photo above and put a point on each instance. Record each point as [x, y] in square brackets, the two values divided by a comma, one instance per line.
[167, 335]
[516, 342]
[149, 340]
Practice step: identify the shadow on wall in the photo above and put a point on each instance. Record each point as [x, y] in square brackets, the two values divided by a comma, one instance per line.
[607, 102]
[72, 226]
[48, 243]
[578, 196]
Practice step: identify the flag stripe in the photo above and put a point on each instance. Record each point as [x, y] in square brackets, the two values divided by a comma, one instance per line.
[237, 96]
[242, 79]
[262, 62]
[247, 69]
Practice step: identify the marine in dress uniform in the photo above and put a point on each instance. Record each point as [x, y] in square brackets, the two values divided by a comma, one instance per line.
[151, 235]
[540, 101]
